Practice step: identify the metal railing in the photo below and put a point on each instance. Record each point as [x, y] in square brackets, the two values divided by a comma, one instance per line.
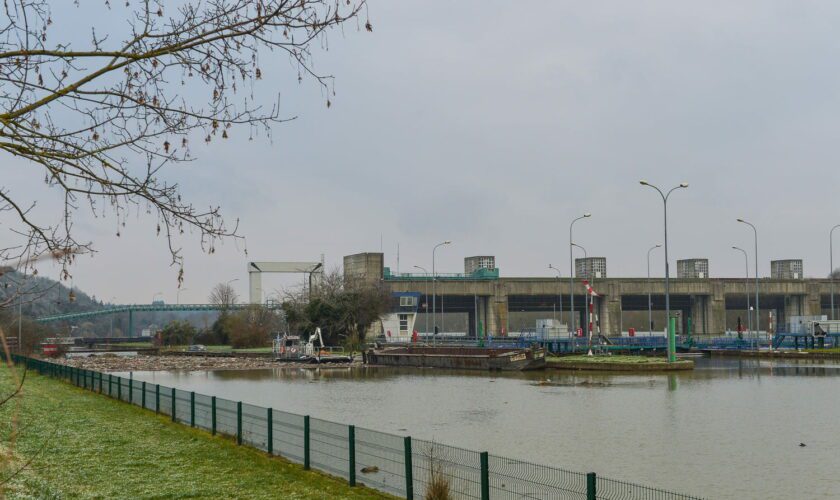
[393, 464]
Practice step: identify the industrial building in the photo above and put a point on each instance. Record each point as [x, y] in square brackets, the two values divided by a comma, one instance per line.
[789, 269]
[693, 268]
[591, 267]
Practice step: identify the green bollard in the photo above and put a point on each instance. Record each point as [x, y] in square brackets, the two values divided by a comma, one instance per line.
[672, 340]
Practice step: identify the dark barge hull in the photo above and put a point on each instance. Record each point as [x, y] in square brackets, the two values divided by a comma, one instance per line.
[462, 358]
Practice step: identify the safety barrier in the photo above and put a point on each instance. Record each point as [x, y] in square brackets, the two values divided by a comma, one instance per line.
[398, 465]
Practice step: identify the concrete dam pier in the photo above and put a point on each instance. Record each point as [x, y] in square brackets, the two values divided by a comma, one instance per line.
[498, 305]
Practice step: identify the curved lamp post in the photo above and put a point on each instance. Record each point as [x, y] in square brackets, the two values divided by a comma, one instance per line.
[757, 310]
[650, 307]
[572, 271]
[434, 289]
[559, 293]
[746, 287]
[831, 264]
[426, 298]
[672, 356]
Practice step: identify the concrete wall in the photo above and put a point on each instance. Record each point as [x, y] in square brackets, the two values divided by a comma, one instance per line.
[367, 266]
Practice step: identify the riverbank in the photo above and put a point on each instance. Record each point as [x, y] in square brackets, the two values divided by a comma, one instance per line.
[83, 445]
[617, 363]
[149, 363]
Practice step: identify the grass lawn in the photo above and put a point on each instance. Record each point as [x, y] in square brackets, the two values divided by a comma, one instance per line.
[606, 359]
[833, 350]
[95, 447]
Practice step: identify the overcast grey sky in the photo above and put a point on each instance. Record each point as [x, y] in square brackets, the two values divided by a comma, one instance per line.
[493, 124]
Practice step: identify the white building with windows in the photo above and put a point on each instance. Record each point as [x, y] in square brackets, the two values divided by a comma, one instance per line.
[398, 325]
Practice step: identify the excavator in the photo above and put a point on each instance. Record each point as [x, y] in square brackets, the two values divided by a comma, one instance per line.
[291, 348]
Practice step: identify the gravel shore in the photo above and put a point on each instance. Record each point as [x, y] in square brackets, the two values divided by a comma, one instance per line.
[112, 363]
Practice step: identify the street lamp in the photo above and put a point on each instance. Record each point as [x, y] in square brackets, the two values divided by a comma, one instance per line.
[672, 344]
[746, 286]
[572, 271]
[586, 296]
[757, 310]
[434, 289]
[650, 307]
[831, 264]
[426, 299]
[559, 293]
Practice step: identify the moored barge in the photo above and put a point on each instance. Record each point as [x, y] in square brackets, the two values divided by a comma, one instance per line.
[464, 358]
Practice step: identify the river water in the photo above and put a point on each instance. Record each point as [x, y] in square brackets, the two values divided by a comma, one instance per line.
[731, 429]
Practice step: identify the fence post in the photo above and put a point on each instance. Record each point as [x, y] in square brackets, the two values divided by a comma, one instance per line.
[269, 424]
[213, 414]
[351, 446]
[409, 470]
[130, 390]
[192, 409]
[306, 442]
[143, 397]
[119, 388]
[157, 398]
[590, 486]
[485, 476]
[239, 422]
[100, 382]
[110, 385]
[173, 404]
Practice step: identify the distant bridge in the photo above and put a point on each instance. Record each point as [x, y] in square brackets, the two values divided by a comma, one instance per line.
[132, 308]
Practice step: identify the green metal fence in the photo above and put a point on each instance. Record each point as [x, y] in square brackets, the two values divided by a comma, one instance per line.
[398, 465]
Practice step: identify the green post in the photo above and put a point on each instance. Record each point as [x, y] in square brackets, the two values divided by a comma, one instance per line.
[239, 422]
[269, 424]
[590, 486]
[157, 398]
[192, 409]
[485, 476]
[143, 397]
[110, 384]
[672, 340]
[130, 390]
[119, 388]
[172, 406]
[100, 382]
[409, 470]
[351, 446]
[306, 442]
[84, 378]
[213, 414]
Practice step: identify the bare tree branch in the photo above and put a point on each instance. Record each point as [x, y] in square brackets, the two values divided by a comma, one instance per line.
[99, 123]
